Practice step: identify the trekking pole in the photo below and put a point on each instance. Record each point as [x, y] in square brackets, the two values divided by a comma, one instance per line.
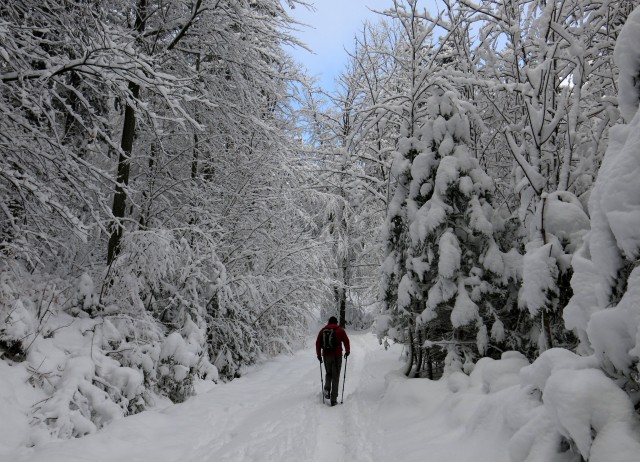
[321, 384]
[346, 361]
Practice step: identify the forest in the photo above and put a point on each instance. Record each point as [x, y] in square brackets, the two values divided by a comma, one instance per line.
[180, 200]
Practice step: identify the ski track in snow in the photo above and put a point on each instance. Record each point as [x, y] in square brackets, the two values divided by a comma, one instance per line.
[275, 413]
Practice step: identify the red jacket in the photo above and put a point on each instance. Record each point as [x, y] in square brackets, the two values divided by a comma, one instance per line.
[341, 338]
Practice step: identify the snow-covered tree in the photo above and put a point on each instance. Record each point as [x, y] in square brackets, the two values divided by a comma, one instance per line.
[404, 104]
[351, 145]
[165, 128]
[541, 75]
[604, 308]
[458, 290]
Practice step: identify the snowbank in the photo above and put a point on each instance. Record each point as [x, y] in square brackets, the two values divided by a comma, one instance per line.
[561, 408]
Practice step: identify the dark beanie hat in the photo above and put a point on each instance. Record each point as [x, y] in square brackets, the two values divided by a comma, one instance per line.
[333, 320]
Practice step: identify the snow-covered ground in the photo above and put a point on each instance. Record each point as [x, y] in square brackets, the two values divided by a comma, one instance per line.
[275, 413]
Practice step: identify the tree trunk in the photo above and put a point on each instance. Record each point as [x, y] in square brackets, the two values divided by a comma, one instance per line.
[343, 307]
[419, 350]
[120, 195]
[546, 323]
[126, 148]
[411, 352]
[194, 160]
[429, 364]
[146, 202]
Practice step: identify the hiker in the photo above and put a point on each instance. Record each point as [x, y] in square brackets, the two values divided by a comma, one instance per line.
[330, 340]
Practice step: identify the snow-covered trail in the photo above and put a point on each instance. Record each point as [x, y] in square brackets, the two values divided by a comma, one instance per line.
[275, 413]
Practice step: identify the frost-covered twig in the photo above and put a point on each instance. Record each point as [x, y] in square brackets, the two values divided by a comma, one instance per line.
[36, 369]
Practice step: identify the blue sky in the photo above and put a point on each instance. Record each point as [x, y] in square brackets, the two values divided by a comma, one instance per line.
[331, 29]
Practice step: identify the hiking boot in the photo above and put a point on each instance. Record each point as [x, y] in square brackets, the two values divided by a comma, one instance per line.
[327, 395]
[333, 403]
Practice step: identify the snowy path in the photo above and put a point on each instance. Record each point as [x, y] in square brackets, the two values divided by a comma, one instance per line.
[275, 413]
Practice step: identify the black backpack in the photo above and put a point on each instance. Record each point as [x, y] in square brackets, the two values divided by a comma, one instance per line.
[329, 340]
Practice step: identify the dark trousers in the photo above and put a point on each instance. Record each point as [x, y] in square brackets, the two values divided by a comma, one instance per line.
[332, 365]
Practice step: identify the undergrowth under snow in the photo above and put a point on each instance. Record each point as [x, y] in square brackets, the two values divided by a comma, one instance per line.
[91, 366]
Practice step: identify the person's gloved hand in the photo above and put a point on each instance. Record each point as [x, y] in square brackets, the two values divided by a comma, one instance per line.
[346, 354]
[320, 359]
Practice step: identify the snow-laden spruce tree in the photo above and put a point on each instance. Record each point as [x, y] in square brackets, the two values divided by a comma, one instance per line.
[405, 107]
[447, 279]
[605, 308]
[545, 78]
[584, 414]
[455, 289]
[556, 232]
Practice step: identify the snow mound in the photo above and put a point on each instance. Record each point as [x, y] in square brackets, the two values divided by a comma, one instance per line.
[627, 58]
[585, 402]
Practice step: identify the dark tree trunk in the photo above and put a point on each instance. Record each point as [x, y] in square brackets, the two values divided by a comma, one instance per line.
[411, 353]
[343, 306]
[419, 349]
[429, 365]
[120, 195]
[194, 160]
[146, 203]
[126, 148]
